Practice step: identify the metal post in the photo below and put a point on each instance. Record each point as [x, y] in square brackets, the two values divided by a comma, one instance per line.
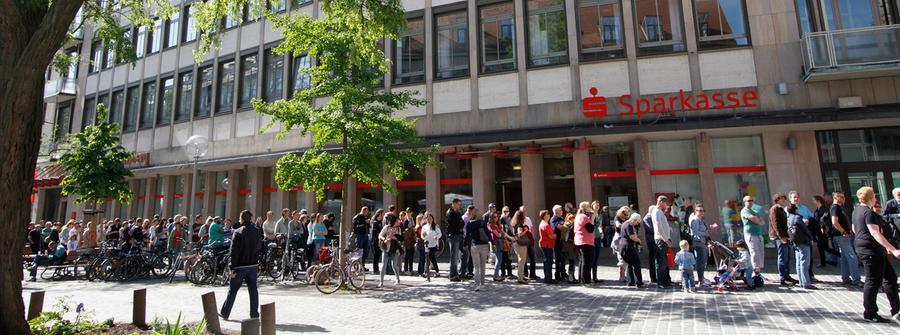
[267, 318]
[210, 313]
[36, 304]
[250, 327]
[139, 308]
[193, 203]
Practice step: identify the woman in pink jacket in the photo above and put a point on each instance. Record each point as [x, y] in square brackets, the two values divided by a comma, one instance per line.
[584, 240]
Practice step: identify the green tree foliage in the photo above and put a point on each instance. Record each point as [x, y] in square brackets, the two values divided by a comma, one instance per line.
[94, 163]
[355, 115]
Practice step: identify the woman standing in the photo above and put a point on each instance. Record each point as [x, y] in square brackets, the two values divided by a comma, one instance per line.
[567, 231]
[548, 245]
[477, 237]
[823, 242]
[621, 219]
[377, 224]
[319, 231]
[700, 235]
[632, 248]
[409, 248]
[584, 241]
[874, 252]
[500, 241]
[390, 244]
[431, 234]
[523, 240]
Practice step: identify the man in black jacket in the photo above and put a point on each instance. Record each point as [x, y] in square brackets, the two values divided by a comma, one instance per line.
[361, 231]
[245, 245]
[778, 231]
[455, 233]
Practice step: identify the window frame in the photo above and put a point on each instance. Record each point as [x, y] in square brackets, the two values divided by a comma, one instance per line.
[267, 53]
[528, 60]
[139, 36]
[162, 96]
[156, 34]
[126, 112]
[114, 117]
[648, 46]
[168, 42]
[186, 27]
[93, 103]
[584, 54]
[436, 32]
[198, 80]
[395, 56]
[482, 63]
[247, 54]
[745, 35]
[178, 96]
[97, 47]
[143, 104]
[218, 110]
[293, 80]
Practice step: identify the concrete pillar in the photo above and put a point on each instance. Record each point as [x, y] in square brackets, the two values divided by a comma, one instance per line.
[630, 36]
[389, 198]
[429, 58]
[150, 201]
[168, 193]
[708, 194]
[533, 183]
[521, 53]
[581, 159]
[474, 49]
[483, 181]
[188, 198]
[233, 203]
[642, 175]
[572, 39]
[434, 198]
[256, 183]
[209, 196]
[283, 199]
[690, 31]
[793, 170]
[311, 204]
[37, 208]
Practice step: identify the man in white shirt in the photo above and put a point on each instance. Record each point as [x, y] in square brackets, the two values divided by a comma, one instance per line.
[530, 269]
[663, 240]
[281, 227]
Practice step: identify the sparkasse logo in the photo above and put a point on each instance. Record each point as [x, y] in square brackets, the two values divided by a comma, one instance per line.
[596, 106]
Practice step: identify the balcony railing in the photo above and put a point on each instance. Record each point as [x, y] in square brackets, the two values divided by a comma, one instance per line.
[60, 89]
[851, 53]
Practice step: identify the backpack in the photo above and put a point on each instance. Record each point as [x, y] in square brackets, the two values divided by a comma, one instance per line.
[825, 222]
[892, 233]
[796, 236]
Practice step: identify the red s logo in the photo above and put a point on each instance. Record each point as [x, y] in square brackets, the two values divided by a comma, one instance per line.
[594, 106]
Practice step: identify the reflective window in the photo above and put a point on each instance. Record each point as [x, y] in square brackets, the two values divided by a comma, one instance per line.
[226, 87]
[167, 96]
[190, 33]
[301, 78]
[452, 45]
[96, 57]
[274, 75]
[172, 29]
[156, 36]
[409, 53]
[204, 98]
[249, 78]
[498, 37]
[721, 23]
[131, 108]
[868, 145]
[279, 5]
[659, 26]
[149, 105]
[117, 107]
[140, 42]
[109, 57]
[547, 32]
[185, 96]
[230, 22]
[600, 29]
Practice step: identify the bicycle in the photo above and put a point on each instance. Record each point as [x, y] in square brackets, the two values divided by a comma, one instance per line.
[333, 277]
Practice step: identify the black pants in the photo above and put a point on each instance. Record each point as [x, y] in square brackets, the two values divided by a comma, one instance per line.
[432, 258]
[506, 270]
[879, 272]
[823, 244]
[633, 266]
[560, 261]
[662, 263]
[651, 264]
[376, 253]
[587, 257]
[531, 266]
[408, 258]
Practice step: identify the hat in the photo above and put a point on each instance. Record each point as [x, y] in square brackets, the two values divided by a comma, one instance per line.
[491, 205]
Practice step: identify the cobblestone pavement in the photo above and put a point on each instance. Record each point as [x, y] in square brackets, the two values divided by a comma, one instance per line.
[442, 307]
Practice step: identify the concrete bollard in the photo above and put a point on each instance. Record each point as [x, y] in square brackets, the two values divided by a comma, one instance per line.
[139, 308]
[210, 313]
[250, 327]
[267, 318]
[36, 304]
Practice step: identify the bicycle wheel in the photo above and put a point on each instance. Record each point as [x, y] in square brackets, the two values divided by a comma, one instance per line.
[297, 263]
[106, 269]
[90, 271]
[158, 267]
[311, 272]
[329, 279]
[274, 265]
[206, 271]
[357, 273]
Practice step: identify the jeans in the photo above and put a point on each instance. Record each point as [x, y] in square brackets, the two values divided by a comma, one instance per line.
[548, 264]
[455, 244]
[389, 260]
[594, 261]
[532, 263]
[559, 258]
[376, 254]
[804, 257]
[420, 248]
[757, 253]
[633, 266]
[702, 255]
[748, 275]
[784, 259]
[498, 264]
[879, 273]
[651, 260]
[479, 257]
[587, 256]
[362, 242]
[849, 263]
[506, 270]
[662, 263]
[687, 278]
[246, 275]
[408, 259]
[317, 245]
[432, 258]
[522, 258]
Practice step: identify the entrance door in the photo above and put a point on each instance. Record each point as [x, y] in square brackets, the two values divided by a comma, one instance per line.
[874, 179]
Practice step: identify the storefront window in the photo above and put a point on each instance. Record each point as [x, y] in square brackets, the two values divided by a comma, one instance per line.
[270, 197]
[178, 196]
[613, 180]
[220, 194]
[371, 197]
[508, 173]
[874, 180]
[140, 195]
[158, 197]
[245, 195]
[559, 178]
[674, 173]
[868, 145]
[199, 200]
[411, 190]
[456, 181]
[333, 201]
[739, 166]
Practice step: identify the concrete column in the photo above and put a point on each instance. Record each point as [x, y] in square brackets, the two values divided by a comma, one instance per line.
[474, 49]
[311, 204]
[131, 210]
[188, 198]
[429, 58]
[521, 54]
[708, 194]
[690, 31]
[533, 183]
[483, 181]
[354, 203]
[256, 183]
[233, 205]
[149, 198]
[582, 162]
[209, 195]
[168, 193]
[37, 208]
[572, 39]
[283, 201]
[642, 175]
[630, 46]
[793, 170]
[434, 198]
[389, 198]
[114, 210]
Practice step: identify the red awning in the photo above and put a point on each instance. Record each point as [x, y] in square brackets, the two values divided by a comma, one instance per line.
[49, 175]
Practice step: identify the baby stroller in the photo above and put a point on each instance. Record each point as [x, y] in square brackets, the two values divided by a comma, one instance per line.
[728, 269]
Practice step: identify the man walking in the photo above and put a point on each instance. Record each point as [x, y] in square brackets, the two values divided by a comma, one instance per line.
[661, 235]
[753, 234]
[245, 245]
[778, 231]
[842, 238]
[361, 230]
[455, 235]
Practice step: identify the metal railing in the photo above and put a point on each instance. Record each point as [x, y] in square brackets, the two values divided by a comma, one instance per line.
[837, 49]
[60, 86]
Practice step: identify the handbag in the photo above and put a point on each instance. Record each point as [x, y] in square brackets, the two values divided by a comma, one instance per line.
[670, 257]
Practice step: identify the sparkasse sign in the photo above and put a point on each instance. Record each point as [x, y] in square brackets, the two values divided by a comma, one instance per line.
[597, 106]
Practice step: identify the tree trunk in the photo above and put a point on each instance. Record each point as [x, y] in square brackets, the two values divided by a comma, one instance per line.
[346, 219]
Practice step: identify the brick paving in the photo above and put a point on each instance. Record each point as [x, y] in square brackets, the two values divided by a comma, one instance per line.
[442, 307]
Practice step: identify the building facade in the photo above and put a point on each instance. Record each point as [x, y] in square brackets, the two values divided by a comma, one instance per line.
[534, 102]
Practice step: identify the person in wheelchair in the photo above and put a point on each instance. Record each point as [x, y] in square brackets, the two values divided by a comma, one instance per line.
[57, 257]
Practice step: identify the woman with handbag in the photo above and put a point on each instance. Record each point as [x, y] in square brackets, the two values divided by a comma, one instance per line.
[630, 244]
[389, 239]
[567, 239]
[584, 240]
[500, 243]
[431, 234]
[524, 238]
[621, 219]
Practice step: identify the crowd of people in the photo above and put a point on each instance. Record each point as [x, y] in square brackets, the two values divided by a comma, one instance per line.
[568, 239]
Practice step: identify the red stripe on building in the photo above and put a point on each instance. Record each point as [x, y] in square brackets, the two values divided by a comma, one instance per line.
[221, 193]
[141, 198]
[457, 181]
[270, 190]
[671, 172]
[612, 174]
[178, 195]
[245, 191]
[334, 187]
[199, 194]
[159, 196]
[297, 188]
[410, 183]
[740, 169]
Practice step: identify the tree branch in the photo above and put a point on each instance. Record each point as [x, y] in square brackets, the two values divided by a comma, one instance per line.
[47, 39]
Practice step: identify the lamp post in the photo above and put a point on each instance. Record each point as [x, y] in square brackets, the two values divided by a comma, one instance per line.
[196, 147]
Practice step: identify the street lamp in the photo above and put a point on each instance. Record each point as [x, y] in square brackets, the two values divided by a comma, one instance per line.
[196, 147]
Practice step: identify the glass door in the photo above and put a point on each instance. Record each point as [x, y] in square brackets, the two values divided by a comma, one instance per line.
[872, 179]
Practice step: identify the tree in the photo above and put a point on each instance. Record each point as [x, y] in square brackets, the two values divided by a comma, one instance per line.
[94, 163]
[356, 116]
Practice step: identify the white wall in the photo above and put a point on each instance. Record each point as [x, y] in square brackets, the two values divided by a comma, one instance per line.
[727, 69]
[549, 85]
[664, 74]
[497, 91]
[610, 78]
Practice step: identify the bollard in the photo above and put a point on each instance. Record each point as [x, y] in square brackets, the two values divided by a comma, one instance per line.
[267, 318]
[209, 311]
[36, 304]
[139, 308]
[250, 327]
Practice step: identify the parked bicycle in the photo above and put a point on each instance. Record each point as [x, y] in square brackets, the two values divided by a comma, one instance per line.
[332, 276]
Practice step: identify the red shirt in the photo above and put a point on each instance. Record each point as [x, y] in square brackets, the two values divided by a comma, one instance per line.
[546, 230]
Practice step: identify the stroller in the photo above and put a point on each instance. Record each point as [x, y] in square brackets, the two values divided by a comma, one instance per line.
[728, 268]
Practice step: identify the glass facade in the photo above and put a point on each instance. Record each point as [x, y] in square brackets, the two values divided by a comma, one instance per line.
[221, 194]
[274, 76]
[456, 181]
[205, 96]
[131, 108]
[498, 37]
[739, 166]
[659, 26]
[149, 105]
[600, 29]
[409, 53]
[249, 79]
[178, 195]
[185, 96]
[613, 181]
[301, 77]
[452, 34]
[508, 171]
[559, 178]
[853, 158]
[167, 95]
[547, 43]
[226, 87]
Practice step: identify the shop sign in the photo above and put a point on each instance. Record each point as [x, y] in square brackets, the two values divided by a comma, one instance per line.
[141, 159]
[598, 106]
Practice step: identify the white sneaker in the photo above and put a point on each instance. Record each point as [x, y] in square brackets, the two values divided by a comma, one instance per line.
[380, 285]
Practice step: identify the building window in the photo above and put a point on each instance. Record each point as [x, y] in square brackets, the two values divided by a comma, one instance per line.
[498, 37]
[190, 33]
[229, 22]
[204, 99]
[96, 57]
[547, 43]
[409, 53]
[178, 195]
[600, 29]
[278, 5]
[167, 96]
[140, 41]
[298, 3]
[117, 107]
[221, 195]
[740, 170]
[109, 57]
[172, 29]
[659, 26]
[252, 12]
[131, 108]
[63, 122]
[156, 36]
[226, 87]
[185, 96]
[149, 100]
[274, 75]
[452, 45]
[103, 99]
[721, 23]
[674, 173]
[249, 78]
[302, 80]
